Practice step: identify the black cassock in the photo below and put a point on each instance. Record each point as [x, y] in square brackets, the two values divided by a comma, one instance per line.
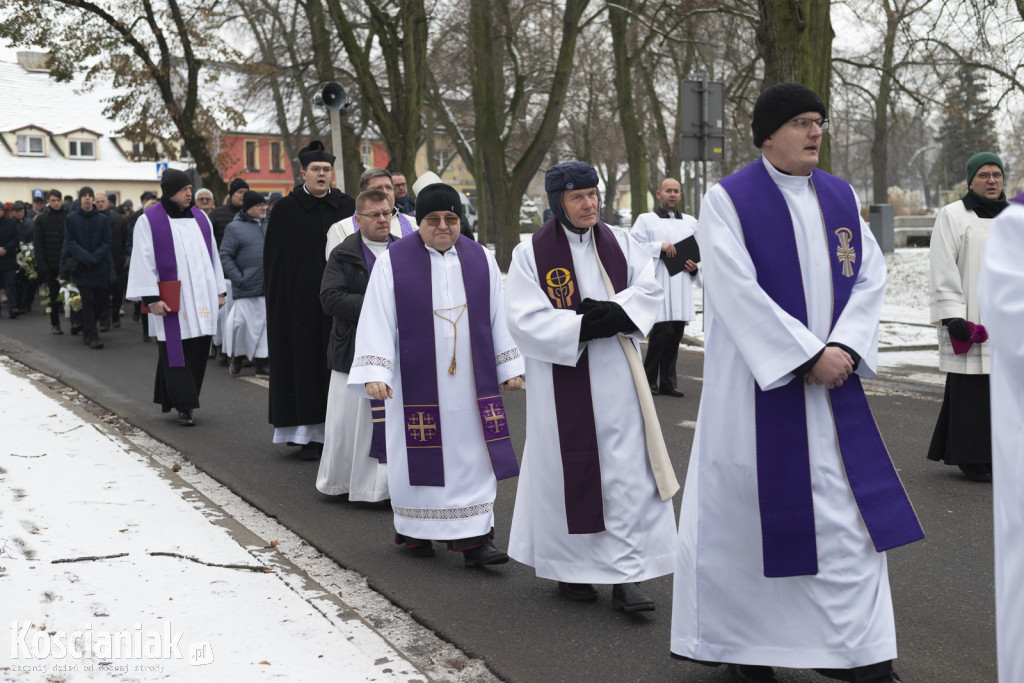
[297, 328]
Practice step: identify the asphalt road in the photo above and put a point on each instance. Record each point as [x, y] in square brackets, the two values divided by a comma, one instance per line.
[942, 587]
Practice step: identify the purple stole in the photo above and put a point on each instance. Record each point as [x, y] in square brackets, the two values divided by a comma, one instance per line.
[378, 439]
[414, 309]
[783, 455]
[574, 407]
[1019, 198]
[167, 270]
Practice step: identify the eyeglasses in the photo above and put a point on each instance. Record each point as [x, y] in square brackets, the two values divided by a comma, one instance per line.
[374, 215]
[450, 220]
[803, 124]
[204, 199]
[985, 176]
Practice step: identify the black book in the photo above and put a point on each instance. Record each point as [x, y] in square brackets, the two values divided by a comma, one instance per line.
[686, 250]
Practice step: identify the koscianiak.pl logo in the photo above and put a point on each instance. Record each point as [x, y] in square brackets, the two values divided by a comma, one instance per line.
[32, 643]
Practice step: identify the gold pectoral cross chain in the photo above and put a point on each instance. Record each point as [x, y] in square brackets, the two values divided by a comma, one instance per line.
[455, 324]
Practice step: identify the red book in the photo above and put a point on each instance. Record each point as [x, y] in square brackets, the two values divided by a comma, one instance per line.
[170, 294]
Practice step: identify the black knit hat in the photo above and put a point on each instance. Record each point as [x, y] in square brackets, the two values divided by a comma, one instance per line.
[252, 198]
[236, 185]
[174, 181]
[780, 103]
[314, 151]
[438, 197]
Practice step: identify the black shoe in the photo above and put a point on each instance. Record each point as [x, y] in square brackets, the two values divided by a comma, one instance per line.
[14, 313]
[105, 327]
[670, 391]
[417, 547]
[185, 418]
[654, 389]
[146, 338]
[136, 317]
[577, 591]
[262, 370]
[95, 344]
[236, 366]
[56, 329]
[485, 554]
[977, 471]
[627, 597]
[752, 673]
[116, 324]
[311, 451]
[222, 358]
[75, 329]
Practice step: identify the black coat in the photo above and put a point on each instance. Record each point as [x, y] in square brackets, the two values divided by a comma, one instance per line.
[220, 217]
[297, 328]
[241, 254]
[341, 295]
[118, 239]
[49, 241]
[9, 241]
[87, 240]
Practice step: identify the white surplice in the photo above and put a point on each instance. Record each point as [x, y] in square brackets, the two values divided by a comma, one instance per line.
[346, 465]
[638, 540]
[651, 231]
[724, 608]
[1001, 297]
[246, 328]
[202, 280]
[464, 506]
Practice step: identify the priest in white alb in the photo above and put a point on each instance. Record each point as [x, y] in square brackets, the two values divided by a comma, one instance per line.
[432, 343]
[791, 498]
[594, 498]
[1001, 297]
[176, 271]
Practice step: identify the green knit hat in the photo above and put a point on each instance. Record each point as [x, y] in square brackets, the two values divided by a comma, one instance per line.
[979, 160]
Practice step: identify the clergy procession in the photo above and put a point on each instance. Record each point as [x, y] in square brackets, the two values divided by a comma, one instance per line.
[390, 341]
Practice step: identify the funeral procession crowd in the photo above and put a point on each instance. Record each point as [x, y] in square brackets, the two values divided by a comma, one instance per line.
[352, 309]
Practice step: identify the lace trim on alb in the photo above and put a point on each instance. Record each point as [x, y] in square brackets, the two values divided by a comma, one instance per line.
[507, 356]
[376, 361]
[444, 513]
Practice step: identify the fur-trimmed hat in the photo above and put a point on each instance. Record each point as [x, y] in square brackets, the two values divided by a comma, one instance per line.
[568, 175]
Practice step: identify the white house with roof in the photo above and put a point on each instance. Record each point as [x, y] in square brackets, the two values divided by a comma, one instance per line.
[55, 135]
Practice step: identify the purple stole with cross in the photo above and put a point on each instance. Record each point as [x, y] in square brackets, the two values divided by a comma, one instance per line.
[414, 310]
[783, 454]
[167, 270]
[574, 407]
[378, 438]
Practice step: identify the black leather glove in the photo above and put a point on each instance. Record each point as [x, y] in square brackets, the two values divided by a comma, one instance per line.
[958, 328]
[603, 319]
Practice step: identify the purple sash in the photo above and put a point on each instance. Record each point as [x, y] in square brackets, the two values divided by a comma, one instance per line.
[783, 454]
[574, 406]
[378, 439]
[167, 270]
[414, 309]
[1019, 198]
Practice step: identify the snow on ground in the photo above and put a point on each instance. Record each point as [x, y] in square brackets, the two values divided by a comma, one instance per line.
[112, 566]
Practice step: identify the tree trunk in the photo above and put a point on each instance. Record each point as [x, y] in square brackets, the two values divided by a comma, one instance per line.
[880, 143]
[794, 38]
[632, 131]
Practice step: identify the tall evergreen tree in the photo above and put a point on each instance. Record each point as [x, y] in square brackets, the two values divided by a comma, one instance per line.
[968, 128]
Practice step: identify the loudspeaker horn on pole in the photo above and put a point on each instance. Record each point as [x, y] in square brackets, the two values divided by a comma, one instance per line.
[334, 97]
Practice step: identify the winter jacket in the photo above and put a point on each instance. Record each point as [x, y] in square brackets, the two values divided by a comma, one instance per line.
[220, 217]
[87, 240]
[241, 254]
[9, 241]
[341, 295]
[49, 241]
[118, 239]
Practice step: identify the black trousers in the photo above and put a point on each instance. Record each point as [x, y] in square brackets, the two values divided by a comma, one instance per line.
[963, 432]
[53, 291]
[662, 353]
[10, 283]
[93, 302]
[26, 291]
[117, 290]
[179, 388]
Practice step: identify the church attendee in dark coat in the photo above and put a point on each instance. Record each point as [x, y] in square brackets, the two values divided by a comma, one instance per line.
[49, 242]
[297, 328]
[225, 213]
[9, 245]
[26, 230]
[241, 254]
[107, 205]
[86, 261]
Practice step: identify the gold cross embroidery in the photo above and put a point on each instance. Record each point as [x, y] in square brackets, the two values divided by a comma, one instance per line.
[845, 252]
[422, 427]
[204, 312]
[494, 419]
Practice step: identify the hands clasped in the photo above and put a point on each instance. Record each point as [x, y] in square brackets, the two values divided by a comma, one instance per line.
[602, 319]
[832, 369]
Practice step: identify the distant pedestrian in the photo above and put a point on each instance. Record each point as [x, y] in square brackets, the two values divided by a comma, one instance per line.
[205, 201]
[85, 261]
[26, 282]
[241, 254]
[9, 245]
[404, 202]
[963, 436]
[106, 204]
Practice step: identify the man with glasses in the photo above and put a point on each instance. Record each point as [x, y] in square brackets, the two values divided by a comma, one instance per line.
[297, 328]
[372, 179]
[963, 434]
[432, 338]
[791, 497]
[205, 201]
[403, 200]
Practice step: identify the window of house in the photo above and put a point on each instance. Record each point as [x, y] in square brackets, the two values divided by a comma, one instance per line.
[252, 159]
[275, 157]
[31, 145]
[82, 149]
[366, 151]
[442, 155]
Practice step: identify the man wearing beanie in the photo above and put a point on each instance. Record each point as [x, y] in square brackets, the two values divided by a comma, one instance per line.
[226, 212]
[594, 498]
[791, 498]
[176, 272]
[432, 339]
[241, 254]
[86, 261]
[963, 433]
[297, 327]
